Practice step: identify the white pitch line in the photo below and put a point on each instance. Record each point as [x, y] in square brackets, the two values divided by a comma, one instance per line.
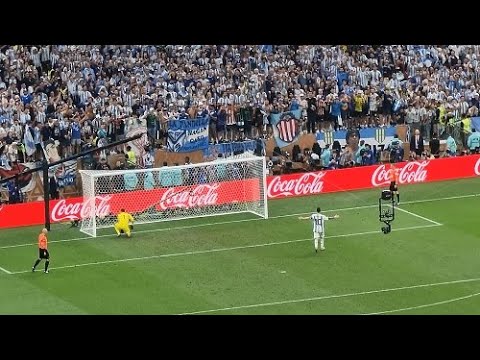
[418, 216]
[326, 297]
[5, 271]
[239, 221]
[425, 305]
[218, 250]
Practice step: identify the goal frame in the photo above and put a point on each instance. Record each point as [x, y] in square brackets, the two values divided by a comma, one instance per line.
[88, 177]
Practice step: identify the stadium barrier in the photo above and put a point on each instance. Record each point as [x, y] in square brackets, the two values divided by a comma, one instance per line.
[278, 187]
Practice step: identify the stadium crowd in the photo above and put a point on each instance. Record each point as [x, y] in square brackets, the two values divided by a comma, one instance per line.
[86, 95]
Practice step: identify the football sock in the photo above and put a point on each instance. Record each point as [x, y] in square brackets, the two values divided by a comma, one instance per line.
[316, 243]
[398, 198]
[36, 263]
[322, 243]
[46, 264]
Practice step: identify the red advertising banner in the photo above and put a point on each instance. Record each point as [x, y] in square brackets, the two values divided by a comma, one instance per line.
[278, 187]
[366, 177]
[134, 201]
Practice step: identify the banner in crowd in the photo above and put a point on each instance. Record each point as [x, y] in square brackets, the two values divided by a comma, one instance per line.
[66, 172]
[187, 135]
[28, 141]
[475, 123]
[27, 182]
[278, 187]
[231, 148]
[372, 136]
[286, 127]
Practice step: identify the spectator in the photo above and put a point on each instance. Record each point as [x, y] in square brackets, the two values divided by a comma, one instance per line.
[53, 188]
[130, 157]
[451, 149]
[326, 156]
[434, 145]
[103, 91]
[416, 144]
[473, 141]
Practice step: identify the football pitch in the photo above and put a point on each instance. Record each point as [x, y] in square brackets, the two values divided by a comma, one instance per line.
[241, 264]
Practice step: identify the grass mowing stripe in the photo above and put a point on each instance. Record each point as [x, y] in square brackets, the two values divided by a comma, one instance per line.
[219, 249]
[318, 298]
[245, 220]
[425, 305]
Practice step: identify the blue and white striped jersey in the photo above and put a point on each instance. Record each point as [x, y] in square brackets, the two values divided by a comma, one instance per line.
[318, 222]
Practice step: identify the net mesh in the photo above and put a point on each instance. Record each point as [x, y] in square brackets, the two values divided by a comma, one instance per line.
[174, 192]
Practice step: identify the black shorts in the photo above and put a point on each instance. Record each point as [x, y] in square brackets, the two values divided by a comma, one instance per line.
[43, 254]
[393, 186]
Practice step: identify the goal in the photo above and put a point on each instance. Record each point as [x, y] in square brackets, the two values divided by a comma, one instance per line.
[213, 188]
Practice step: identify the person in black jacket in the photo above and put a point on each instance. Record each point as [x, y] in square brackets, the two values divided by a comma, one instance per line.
[434, 145]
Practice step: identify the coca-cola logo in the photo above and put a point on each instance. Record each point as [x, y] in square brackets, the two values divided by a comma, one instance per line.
[201, 195]
[307, 184]
[477, 167]
[412, 172]
[80, 210]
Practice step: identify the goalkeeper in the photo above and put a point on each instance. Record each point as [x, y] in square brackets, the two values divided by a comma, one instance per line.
[124, 223]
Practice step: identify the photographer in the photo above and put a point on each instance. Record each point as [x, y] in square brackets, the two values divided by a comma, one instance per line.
[395, 147]
[367, 155]
[14, 196]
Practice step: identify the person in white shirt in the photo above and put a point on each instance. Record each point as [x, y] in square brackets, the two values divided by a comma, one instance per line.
[318, 222]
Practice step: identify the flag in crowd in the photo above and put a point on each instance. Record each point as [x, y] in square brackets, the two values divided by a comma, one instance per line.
[372, 136]
[286, 127]
[29, 142]
[188, 135]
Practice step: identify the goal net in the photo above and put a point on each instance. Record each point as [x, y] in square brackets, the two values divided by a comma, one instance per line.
[174, 192]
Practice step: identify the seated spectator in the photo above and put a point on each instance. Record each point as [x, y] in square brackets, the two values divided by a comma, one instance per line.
[14, 196]
[367, 155]
[326, 155]
[451, 149]
[131, 180]
[333, 163]
[148, 181]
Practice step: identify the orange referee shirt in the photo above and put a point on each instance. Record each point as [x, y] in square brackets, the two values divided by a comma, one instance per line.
[42, 241]
[393, 174]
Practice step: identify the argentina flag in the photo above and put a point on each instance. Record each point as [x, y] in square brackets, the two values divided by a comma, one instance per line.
[286, 127]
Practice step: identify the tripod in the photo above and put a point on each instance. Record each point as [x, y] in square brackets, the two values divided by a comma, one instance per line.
[386, 210]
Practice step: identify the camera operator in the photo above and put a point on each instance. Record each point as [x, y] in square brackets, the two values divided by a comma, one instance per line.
[14, 196]
[395, 147]
[367, 155]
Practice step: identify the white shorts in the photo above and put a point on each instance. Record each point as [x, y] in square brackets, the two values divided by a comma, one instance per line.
[318, 235]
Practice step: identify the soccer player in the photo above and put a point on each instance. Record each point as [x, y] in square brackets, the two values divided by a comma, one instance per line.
[123, 224]
[393, 175]
[42, 251]
[318, 221]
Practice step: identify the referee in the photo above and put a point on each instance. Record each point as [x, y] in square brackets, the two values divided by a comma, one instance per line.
[42, 251]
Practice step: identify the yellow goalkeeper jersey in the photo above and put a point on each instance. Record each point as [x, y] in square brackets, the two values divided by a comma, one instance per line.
[124, 218]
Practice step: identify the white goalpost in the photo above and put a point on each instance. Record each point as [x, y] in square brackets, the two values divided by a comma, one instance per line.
[213, 188]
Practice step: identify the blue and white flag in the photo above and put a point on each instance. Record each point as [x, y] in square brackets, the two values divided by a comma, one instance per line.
[187, 135]
[475, 123]
[286, 127]
[29, 142]
[229, 149]
[372, 136]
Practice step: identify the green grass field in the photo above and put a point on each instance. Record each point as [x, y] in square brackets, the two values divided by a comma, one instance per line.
[242, 264]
